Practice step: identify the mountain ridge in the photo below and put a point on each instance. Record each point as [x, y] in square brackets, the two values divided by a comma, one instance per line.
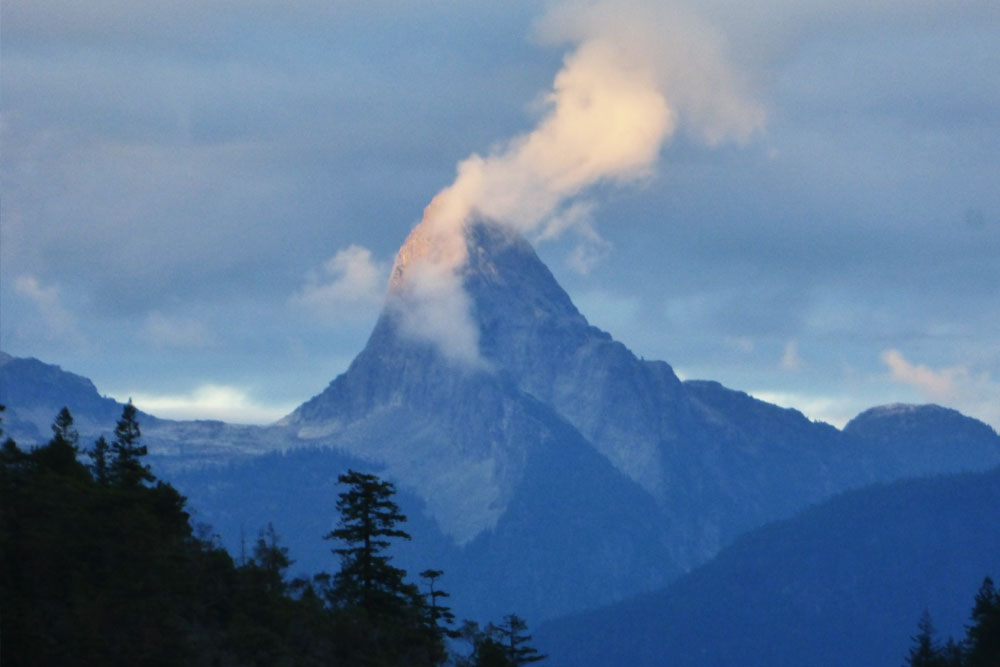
[862, 566]
[558, 399]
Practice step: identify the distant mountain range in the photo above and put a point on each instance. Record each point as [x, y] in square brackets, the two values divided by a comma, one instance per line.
[561, 474]
[842, 583]
[34, 392]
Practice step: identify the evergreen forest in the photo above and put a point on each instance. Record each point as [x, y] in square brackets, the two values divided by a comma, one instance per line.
[100, 565]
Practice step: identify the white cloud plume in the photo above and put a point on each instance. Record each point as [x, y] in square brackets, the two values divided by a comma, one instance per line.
[350, 284]
[636, 71]
[433, 306]
[587, 254]
[684, 54]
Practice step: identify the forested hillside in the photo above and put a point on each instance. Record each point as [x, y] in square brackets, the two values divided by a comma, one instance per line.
[100, 565]
[863, 565]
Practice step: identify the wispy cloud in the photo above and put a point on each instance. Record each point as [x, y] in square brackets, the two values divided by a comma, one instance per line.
[212, 401]
[940, 385]
[163, 331]
[55, 321]
[790, 360]
[742, 344]
[350, 284]
[974, 393]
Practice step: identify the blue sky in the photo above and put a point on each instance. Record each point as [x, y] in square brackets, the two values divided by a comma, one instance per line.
[201, 200]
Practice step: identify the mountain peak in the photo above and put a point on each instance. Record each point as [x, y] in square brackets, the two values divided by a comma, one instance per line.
[484, 254]
[511, 289]
[531, 344]
[456, 288]
[428, 247]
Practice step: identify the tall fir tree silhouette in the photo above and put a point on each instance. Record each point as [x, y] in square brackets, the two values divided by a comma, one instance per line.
[126, 468]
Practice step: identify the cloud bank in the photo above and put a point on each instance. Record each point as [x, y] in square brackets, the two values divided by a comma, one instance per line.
[635, 74]
[212, 401]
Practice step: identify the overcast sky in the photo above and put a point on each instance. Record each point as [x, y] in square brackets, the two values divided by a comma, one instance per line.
[201, 200]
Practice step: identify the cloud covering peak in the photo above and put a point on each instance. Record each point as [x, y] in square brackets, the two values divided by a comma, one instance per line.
[621, 94]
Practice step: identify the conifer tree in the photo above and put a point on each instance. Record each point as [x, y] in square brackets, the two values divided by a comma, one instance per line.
[368, 517]
[60, 452]
[512, 636]
[952, 654]
[925, 651]
[389, 621]
[126, 469]
[491, 652]
[983, 636]
[440, 615]
[63, 429]
[99, 468]
[271, 558]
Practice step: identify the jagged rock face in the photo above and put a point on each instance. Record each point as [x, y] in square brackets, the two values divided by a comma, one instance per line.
[458, 435]
[402, 404]
[532, 332]
[459, 438]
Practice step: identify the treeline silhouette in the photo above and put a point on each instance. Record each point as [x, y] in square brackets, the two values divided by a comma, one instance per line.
[981, 646]
[99, 565]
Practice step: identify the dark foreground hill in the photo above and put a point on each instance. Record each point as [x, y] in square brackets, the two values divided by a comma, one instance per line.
[843, 583]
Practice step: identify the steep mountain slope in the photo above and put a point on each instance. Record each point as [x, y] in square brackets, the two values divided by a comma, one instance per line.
[843, 583]
[530, 330]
